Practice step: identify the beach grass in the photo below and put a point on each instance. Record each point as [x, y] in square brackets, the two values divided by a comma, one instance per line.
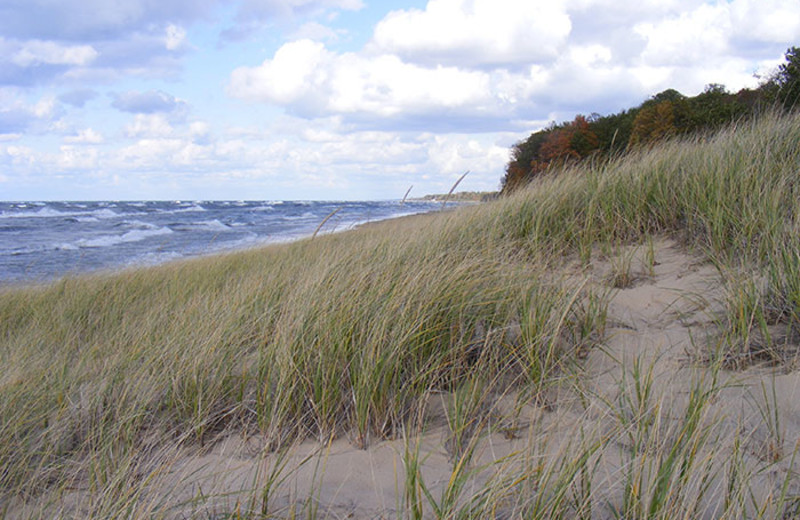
[109, 379]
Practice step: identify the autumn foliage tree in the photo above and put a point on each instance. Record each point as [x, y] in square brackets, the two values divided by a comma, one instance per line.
[556, 145]
[667, 114]
[654, 123]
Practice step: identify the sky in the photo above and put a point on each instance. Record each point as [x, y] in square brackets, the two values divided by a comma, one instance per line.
[337, 99]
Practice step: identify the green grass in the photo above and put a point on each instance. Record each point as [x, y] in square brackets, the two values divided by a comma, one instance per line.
[349, 335]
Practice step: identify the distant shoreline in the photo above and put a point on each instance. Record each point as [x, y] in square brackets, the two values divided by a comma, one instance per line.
[462, 196]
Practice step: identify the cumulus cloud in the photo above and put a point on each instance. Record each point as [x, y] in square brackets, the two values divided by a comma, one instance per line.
[149, 125]
[85, 136]
[36, 52]
[14, 155]
[17, 116]
[26, 63]
[77, 158]
[475, 32]
[314, 82]
[766, 20]
[148, 102]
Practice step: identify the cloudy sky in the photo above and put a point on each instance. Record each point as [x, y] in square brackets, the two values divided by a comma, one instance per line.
[337, 99]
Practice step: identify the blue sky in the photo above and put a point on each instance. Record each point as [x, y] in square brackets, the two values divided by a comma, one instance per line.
[337, 99]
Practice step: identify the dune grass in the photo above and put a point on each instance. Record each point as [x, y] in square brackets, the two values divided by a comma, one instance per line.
[107, 376]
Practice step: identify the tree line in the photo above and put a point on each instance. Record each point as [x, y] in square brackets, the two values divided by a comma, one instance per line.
[667, 114]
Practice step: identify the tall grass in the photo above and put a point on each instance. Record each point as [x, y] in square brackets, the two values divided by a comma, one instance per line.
[349, 335]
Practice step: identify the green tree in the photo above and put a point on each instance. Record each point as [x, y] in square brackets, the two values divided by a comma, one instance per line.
[715, 107]
[787, 79]
[613, 131]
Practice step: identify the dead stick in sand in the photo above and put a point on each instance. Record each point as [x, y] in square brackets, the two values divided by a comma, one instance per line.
[332, 213]
[406, 195]
[444, 202]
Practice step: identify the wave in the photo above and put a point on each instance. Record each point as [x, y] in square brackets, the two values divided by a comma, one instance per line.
[135, 235]
[194, 207]
[137, 224]
[45, 212]
[48, 212]
[305, 216]
[205, 225]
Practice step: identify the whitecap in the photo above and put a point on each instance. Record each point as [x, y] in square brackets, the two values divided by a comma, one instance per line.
[45, 212]
[213, 225]
[138, 224]
[105, 213]
[131, 236]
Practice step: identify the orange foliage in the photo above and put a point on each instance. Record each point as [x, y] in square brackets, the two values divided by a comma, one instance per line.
[573, 141]
[653, 123]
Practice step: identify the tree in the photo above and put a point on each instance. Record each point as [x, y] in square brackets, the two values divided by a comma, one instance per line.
[787, 79]
[555, 145]
[654, 122]
[714, 107]
[574, 140]
[664, 115]
[614, 131]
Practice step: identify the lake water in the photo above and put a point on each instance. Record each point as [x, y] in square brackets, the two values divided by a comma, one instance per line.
[45, 240]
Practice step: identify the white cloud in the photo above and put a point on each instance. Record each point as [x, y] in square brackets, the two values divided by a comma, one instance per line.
[77, 158]
[767, 20]
[19, 155]
[85, 136]
[149, 125]
[314, 82]
[19, 116]
[44, 108]
[36, 52]
[693, 37]
[476, 32]
[456, 154]
[296, 68]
